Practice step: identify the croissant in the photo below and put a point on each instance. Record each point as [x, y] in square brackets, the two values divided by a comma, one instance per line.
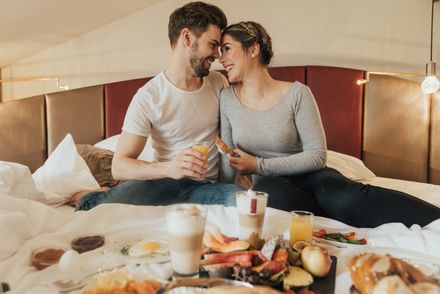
[223, 146]
[244, 181]
[375, 274]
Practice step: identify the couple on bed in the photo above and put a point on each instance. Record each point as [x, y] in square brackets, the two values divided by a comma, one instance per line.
[275, 126]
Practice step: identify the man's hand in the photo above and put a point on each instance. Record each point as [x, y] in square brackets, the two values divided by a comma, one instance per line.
[245, 163]
[188, 163]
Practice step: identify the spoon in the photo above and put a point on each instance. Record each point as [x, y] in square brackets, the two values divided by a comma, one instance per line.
[67, 285]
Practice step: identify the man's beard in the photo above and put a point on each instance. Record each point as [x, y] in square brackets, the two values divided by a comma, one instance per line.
[197, 62]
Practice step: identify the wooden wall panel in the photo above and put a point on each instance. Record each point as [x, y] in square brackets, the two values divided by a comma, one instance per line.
[434, 151]
[396, 128]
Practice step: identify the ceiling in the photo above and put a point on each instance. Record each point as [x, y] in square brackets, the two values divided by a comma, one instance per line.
[30, 26]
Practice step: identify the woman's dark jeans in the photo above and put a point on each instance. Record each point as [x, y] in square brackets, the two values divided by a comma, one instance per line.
[328, 193]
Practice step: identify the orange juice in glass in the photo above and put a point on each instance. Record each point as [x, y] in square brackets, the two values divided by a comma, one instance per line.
[202, 147]
[301, 226]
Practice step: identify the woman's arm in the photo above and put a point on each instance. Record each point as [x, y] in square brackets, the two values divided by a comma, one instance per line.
[226, 173]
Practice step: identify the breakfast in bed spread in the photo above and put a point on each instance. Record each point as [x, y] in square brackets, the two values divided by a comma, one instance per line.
[201, 258]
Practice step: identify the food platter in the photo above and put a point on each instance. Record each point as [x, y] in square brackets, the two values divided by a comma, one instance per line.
[125, 248]
[194, 285]
[429, 265]
[344, 243]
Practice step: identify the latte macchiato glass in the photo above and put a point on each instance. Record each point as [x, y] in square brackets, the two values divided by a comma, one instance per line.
[186, 226]
[251, 207]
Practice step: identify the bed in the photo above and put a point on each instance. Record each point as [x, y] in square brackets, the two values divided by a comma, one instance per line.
[57, 144]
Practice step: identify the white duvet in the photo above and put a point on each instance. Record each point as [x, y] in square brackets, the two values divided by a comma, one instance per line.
[26, 225]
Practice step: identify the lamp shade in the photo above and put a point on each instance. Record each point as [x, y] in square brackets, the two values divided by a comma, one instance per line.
[430, 84]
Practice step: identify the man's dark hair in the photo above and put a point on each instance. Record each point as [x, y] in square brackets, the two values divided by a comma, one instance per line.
[196, 16]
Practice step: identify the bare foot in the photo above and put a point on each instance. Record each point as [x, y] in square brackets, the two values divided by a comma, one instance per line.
[77, 196]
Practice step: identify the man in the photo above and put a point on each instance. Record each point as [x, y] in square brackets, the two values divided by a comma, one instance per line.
[177, 107]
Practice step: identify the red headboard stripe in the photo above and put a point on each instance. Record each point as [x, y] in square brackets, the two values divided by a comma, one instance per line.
[339, 98]
[340, 101]
[289, 73]
[117, 98]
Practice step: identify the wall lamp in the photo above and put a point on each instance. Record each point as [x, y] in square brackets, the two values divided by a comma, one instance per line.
[431, 83]
[19, 80]
[394, 74]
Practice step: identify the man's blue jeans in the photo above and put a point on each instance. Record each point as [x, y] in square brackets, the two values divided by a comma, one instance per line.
[163, 192]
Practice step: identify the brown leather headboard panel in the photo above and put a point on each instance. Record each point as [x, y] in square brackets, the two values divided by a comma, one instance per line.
[340, 103]
[117, 98]
[434, 166]
[396, 128]
[23, 132]
[79, 112]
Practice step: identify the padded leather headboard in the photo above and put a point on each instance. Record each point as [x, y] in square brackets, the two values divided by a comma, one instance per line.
[117, 98]
[289, 73]
[396, 128]
[79, 112]
[340, 103]
[331, 86]
[23, 132]
[434, 164]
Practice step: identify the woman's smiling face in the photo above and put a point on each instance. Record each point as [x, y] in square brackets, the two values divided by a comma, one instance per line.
[233, 59]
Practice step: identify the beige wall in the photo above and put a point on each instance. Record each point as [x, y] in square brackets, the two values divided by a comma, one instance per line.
[376, 35]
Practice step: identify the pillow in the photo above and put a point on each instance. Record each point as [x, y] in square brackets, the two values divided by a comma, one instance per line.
[64, 173]
[16, 180]
[99, 162]
[110, 144]
[351, 167]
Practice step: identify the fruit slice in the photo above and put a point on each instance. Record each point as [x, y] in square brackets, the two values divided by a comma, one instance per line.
[222, 238]
[215, 245]
[281, 254]
[300, 245]
[275, 266]
[237, 257]
[298, 277]
[275, 278]
[259, 268]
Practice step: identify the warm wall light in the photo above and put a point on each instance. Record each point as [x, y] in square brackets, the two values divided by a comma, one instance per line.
[394, 74]
[431, 84]
[18, 80]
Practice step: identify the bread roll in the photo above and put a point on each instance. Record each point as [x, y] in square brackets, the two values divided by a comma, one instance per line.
[373, 273]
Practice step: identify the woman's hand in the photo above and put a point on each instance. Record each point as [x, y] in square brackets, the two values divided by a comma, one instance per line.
[245, 163]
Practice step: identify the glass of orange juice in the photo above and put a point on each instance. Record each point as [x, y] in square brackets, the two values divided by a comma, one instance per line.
[301, 226]
[202, 147]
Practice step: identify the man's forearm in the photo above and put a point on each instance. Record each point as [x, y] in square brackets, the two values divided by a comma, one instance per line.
[124, 168]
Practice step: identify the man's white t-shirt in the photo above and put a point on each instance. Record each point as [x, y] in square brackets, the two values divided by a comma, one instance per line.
[175, 118]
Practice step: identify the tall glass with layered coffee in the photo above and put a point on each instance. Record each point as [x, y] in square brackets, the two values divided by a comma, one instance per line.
[186, 226]
[251, 207]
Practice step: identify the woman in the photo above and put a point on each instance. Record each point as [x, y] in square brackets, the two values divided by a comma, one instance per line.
[277, 129]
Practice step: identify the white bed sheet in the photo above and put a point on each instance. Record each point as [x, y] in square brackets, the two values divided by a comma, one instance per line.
[27, 224]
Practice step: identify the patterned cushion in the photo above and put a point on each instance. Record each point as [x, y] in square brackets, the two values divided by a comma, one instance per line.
[100, 163]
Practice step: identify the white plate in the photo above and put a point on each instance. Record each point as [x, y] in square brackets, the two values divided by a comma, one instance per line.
[119, 273]
[116, 246]
[430, 265]
[339, 244]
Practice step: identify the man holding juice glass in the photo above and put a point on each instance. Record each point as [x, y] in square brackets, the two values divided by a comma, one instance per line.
[176, 107]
